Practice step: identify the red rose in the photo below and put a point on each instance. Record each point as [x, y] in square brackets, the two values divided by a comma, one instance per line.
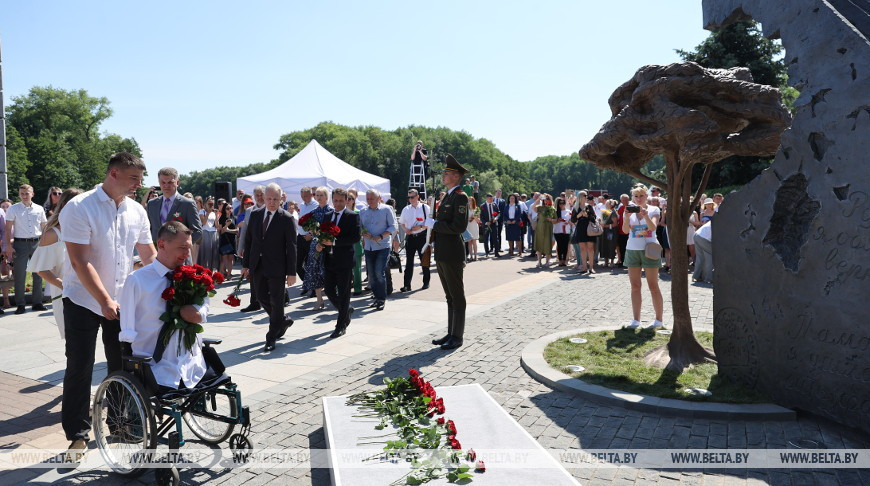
[232, 301]
[479, 466]
[177, 276]
[471, 455]
[451, 427]
[419, 219]
[440, 420]
[218, 278]
[414, 373]
[455, 444]
[168, 294]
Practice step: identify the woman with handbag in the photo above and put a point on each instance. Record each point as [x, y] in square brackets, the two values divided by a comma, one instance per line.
[583, 215]
[643, 251]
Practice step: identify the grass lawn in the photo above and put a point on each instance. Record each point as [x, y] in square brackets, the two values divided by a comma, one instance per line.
[614, 359]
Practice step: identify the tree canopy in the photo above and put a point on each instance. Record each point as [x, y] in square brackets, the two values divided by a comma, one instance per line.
[742, 44]
[54, 139]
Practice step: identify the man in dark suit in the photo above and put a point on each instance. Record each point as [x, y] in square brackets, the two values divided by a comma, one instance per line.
[501, 206]
[452, 219]
[270, 257]
[173, 207]
[490, 217]
[339, 259]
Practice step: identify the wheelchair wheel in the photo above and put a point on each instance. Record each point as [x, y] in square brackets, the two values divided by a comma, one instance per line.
[123, 424]
[207, 429]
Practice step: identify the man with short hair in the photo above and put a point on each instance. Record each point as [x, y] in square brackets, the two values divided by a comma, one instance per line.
[413, 219]
[490, 215]
[452, 219]
[101, 228]
[24, 223]
[501, 204]
[379, 223]
[338, 258]
[303, 238]
[259, 202]
[468, 189]
[270, 257]
[173, 366]
[172, 206]
[718, 198]
[237, 202]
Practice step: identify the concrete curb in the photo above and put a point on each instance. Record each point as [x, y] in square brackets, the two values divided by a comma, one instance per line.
[533, 362]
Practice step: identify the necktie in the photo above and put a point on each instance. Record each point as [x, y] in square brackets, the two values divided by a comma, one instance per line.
[266, 222]
[165, 330]
[164, 212]
[335, 218]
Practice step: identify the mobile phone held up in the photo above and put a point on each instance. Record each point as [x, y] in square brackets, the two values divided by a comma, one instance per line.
[633, 209]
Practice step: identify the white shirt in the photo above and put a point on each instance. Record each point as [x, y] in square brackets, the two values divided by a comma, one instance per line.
[638, 232]
[533, 216]
[706, 231]
[92, 218]
[560, 227]
[28, 220]
[209, 221]
[410, 214]
[141, 305]
[305, 208]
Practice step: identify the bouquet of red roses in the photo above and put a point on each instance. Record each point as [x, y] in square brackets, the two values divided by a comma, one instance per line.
[309, 223]
[190, 286]
[326, 231]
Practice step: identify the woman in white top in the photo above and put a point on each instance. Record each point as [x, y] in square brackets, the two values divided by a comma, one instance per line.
[562, 230]
[641, 228]
[473, 228]
[208, 245]
[47, 260]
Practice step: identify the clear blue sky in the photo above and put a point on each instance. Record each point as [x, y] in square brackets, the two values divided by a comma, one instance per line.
[206, 83]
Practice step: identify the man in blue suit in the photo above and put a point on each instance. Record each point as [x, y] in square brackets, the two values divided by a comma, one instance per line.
[339, 258]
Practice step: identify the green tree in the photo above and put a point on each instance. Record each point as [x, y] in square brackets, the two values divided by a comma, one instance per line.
[742, 44]
[62, 143]
[17, 163]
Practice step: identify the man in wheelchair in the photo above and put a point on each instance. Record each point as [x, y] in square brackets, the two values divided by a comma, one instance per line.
[142, 304]
[162, 386]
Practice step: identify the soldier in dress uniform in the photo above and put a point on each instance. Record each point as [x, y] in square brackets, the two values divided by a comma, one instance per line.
[451, 219]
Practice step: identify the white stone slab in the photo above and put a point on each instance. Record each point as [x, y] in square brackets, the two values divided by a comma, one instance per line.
[482, 425]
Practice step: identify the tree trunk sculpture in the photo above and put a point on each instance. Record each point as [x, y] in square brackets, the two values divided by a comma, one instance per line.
[691, 115]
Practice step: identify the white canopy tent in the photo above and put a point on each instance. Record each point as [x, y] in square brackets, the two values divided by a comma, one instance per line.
[315, 166]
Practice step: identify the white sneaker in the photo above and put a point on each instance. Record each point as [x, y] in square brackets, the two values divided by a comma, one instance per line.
[655, 324]
[634, 325]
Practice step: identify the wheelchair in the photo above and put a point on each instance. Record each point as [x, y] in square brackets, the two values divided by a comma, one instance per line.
[132, 414]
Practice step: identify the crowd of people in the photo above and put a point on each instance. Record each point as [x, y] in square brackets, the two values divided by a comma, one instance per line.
[85, 245]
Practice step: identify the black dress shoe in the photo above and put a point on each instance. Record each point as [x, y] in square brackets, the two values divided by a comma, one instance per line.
[439, 342]
[452, 343]
[270, 346]
[39, 307]
[339, 331]
[251, 308]
[379, 305]
[405, 289]
[287, 323]
[20, 310]
[424, 287]
[497, 255]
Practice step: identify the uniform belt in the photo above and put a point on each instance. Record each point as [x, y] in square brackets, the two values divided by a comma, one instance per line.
[414, 235]
[27, 239]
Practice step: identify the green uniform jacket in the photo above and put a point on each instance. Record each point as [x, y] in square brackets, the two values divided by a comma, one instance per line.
[452, 220]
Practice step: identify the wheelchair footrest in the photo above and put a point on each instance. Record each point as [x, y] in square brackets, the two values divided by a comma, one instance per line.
[245, 417]
[174, 443]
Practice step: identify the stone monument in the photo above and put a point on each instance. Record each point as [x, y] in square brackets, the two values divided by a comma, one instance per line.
[792, 248]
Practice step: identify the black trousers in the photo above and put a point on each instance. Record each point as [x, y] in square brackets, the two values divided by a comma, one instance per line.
[337, 283]
[302, 248]
[414, 247]
[81, 327]
[270, 292]
[491, 241]
[562, 240]
[450, 274]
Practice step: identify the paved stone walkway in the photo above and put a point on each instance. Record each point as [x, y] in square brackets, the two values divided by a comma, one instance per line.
[289, 415]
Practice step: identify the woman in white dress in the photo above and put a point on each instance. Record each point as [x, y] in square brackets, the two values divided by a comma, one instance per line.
[48, 259]
[473, 228]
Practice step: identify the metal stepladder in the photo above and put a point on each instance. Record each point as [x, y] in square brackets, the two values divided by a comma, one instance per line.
[417, 178]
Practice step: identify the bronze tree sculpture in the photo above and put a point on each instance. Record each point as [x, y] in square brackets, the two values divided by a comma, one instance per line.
[691, 115]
